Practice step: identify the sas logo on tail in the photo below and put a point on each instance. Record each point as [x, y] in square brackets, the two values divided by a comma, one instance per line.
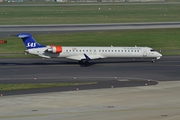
[31, 44]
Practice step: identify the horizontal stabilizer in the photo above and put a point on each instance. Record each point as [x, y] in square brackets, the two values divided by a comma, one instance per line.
[23, 35]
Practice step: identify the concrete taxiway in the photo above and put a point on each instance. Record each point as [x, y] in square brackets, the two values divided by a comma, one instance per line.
[159, 102]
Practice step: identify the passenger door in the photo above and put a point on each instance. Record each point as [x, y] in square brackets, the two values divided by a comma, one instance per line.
[144, 52]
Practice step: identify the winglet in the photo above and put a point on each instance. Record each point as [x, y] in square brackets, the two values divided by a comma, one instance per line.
[87, 58]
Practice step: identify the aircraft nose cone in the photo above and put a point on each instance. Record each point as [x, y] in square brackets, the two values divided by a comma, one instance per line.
[159, 55]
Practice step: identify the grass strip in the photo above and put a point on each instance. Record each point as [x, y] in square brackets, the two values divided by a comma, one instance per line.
[160, 39]
[10, 87]
[115, 13]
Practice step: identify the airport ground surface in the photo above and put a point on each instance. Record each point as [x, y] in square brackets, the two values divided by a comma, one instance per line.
[129, 100]
[107, 72]
[157, 102]
[151, 102]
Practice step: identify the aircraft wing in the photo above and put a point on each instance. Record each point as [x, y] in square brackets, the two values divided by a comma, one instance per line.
[85, 57]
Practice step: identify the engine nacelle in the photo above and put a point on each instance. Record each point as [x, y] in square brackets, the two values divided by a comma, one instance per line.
[55, 49]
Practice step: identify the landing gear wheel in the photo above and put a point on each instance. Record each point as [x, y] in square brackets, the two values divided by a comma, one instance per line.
[80, 62]
[86, 62]
[83, 62]
[153, 61]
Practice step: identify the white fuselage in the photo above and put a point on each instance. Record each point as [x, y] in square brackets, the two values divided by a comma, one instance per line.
[78, 53]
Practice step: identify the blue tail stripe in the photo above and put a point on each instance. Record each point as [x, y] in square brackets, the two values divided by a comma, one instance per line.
[29, 41]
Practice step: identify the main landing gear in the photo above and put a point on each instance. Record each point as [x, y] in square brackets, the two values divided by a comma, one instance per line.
[84, 62]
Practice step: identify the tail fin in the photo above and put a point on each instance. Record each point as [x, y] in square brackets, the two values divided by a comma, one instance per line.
[29, 41]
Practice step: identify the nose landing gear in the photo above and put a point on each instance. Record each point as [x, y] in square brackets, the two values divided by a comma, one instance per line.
[153, 60]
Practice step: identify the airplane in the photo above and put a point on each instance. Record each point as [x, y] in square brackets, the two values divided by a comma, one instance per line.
[86, 53]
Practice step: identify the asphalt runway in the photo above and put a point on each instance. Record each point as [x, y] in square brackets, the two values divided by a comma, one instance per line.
[108, 72]
[7, 30]
[167, 68]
